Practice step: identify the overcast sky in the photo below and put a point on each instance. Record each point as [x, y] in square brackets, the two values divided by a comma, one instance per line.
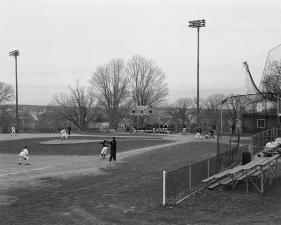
[61, 41]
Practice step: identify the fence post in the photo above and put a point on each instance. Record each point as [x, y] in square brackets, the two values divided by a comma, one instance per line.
[208, 167]
[164, 188]
[251, 147]
[189, 177]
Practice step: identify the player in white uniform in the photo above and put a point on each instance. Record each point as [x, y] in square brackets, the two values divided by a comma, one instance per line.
[104, 148]
[63, 134]
[13, 131]
[23, 155]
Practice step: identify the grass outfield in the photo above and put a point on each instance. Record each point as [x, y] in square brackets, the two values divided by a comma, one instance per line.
[92, 148]
[130, 193]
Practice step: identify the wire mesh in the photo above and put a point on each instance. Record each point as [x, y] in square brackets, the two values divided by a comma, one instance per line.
[177, 183]
[228, 150]
[182, 181]
[259, 140]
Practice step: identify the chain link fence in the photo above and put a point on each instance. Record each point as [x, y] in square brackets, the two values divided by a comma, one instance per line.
[259, 140]
[182, 181]
[179, 183]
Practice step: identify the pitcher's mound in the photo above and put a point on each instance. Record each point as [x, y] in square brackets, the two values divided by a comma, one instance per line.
[63, 142]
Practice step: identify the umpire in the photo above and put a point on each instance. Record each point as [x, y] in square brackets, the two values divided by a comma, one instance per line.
[113, 144]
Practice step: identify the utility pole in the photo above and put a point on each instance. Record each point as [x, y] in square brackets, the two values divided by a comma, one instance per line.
[15, 54]
[197, 24]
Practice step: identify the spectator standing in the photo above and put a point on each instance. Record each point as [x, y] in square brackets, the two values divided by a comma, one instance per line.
[165, 128]
[212, 132]
[233, 128]
[161, 129]
[113, 149]
[184, 130]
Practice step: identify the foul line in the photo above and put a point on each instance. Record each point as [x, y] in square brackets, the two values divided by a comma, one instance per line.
[26, 171]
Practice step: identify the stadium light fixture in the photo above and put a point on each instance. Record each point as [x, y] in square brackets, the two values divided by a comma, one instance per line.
[197, 24]
[15, 54]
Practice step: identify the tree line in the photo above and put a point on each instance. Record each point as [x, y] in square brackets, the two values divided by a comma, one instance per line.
[116, 87]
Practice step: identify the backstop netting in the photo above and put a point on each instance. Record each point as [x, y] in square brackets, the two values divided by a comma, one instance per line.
[229, 150]
[272, 64]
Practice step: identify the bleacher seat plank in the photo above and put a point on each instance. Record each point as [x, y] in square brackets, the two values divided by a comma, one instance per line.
[258, 172]
[226, 181]
[216, 176]
[267, 160]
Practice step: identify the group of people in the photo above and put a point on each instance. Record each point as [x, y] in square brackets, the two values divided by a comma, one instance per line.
[105, 147]
[207, 135]
[24, 154]
[272, 144]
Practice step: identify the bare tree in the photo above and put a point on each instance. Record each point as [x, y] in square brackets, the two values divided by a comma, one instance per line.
[111, 86]
[77, 106]
[212, 106]
[181, 109]
[236, 105]
[272, 81]
[6, 92]
[147, 81]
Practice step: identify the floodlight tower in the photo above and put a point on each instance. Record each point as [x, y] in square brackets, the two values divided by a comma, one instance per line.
[15, 54]
[197, 24]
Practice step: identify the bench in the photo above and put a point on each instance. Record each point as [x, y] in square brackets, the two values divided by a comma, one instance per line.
[216, 176]
[256, 168]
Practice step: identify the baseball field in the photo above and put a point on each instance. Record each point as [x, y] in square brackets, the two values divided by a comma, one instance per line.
[66, 182]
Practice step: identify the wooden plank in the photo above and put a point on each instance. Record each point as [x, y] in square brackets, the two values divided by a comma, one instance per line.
[268, 160]
[232, 171]
[226, 181]
[216, 176]
[235, 170]
[253, 163]
[258, 172]
[213, 185]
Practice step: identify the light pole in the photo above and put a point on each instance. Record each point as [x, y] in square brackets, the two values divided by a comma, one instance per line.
[15, 54]
[221, 119]
[197, 24]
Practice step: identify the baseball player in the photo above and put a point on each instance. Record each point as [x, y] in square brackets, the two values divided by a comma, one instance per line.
[23, 155]
[63, 134]
[104, 148]
[13, 131]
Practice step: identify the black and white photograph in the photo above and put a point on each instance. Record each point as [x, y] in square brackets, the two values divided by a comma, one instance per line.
[140, 112]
